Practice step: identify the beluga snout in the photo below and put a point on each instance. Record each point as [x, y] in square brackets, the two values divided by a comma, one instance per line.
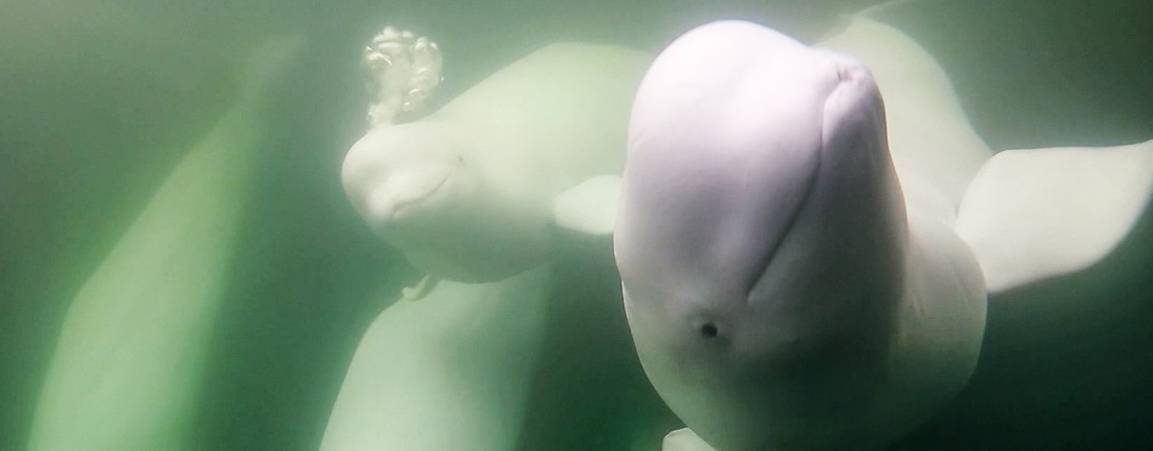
[391, 171]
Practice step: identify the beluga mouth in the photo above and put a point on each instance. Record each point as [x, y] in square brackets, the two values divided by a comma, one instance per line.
[391, 205]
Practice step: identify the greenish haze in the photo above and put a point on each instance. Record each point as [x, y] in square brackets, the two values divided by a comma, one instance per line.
[100, 102]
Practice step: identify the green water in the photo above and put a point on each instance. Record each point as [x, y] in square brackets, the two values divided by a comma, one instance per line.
[101, 101]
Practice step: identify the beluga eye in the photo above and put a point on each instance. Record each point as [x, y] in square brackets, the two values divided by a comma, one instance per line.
[709, 330]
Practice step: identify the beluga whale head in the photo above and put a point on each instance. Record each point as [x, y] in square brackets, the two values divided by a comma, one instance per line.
[480, 189]
[760, 239]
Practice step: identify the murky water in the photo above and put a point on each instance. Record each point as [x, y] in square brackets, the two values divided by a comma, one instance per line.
[153, 297]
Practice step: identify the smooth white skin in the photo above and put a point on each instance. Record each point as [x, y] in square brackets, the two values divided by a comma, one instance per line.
[1091, 197]
[466, 193]
[759, 201]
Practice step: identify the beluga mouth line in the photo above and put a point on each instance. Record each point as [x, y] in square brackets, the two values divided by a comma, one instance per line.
[404, 204]
[788, 228]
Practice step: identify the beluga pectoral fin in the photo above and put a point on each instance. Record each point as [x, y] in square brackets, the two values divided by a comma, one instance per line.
[1038, 213]
[590, 207]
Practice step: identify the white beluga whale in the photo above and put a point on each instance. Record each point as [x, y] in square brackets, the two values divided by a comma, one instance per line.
[480, 193]
[806, 240]
[470, 192]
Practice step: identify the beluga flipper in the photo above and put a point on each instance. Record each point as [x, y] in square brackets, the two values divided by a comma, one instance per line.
[803, 270]
[1034, 214]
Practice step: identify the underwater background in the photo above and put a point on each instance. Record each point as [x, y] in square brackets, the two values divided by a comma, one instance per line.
[100, 100]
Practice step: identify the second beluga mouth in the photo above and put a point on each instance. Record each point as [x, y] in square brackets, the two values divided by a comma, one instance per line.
[391, 204]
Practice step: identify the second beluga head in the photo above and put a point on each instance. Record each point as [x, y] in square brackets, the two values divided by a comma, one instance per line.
[476, 190]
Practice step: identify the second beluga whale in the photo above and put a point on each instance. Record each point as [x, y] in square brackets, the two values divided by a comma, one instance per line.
[806, 266]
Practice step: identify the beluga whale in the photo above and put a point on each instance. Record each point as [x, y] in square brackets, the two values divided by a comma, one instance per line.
[807, 236]
[482, 194]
